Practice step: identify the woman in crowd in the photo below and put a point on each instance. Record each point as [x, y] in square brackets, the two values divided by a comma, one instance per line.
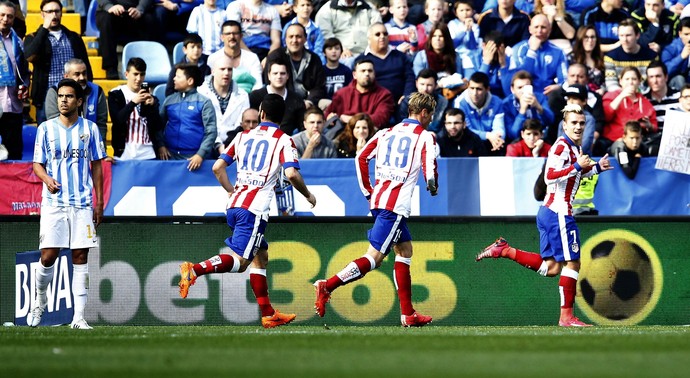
[357, 132]
[587, 51]
[438, 54]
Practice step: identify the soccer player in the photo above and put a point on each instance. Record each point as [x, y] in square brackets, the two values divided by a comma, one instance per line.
[67, 158]
[400, 153]
[559, 237]
[260, 152]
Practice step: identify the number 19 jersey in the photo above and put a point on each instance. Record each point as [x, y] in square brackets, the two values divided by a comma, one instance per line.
[400, 153]
[259, 154]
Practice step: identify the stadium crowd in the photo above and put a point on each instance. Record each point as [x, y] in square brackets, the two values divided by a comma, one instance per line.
[500, 70]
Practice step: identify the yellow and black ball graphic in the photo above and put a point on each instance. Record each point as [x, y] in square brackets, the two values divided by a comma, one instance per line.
[620, 279]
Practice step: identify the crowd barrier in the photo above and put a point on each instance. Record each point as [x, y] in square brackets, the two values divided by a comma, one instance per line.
[634, 272]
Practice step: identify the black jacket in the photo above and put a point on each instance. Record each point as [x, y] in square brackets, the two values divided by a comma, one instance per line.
[294, 109]
[314, 78]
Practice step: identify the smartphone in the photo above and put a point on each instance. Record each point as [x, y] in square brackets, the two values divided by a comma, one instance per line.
[527, 89]
[145, 86]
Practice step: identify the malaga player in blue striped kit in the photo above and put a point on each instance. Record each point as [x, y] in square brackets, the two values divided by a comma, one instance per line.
[67, 158]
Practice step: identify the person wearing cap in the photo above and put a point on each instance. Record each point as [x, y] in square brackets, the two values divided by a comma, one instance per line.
[577, 94]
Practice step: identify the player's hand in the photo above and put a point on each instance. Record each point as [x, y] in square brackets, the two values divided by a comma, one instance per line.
[585, 161]
[604, 163]
[431, 187]
[311, 199]
[194, 162]
[98, 214]
[53, 185]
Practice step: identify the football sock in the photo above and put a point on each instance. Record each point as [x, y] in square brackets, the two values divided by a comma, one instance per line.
[44, 275]
[217, 264]
[567, 285]
[80, 289]
[257, 279]
[352, 272]
[527, 259]
[403, 283]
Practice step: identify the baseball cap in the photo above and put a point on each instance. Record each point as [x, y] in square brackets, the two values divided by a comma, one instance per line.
[577, 91]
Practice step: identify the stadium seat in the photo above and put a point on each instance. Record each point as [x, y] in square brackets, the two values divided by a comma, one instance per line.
[71, 21]
[178, 54]
[29, 138]
[91, 28]
[154, 54]
[96, 63]
[159, 92]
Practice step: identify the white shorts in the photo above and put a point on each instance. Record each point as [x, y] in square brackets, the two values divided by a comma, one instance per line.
[67, 227]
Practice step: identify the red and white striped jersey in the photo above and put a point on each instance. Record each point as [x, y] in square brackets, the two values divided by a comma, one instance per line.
[400, 153]
[561, 177]
[259, 154]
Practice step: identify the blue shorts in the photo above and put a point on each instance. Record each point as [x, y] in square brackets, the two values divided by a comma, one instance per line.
[389, 228]
[247, 232]
[559, 237]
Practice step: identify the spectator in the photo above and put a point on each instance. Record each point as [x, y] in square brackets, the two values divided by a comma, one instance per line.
[190, 120]
[587, 51]
[246, 66]
[657, 24]
[606, 17]
[456, 140]
[530, 143]
[359, 129]
[679, 7]
[662, 98]
[512, 23]
[629, 54]
[363, 95]
[192, 46]
[577, 94]
[524, 103]
[229, 101]
[562, 24]
[314, 40]
[627, 104]
[463, 30]
[393, 70]
[206, 20]
[492, 60]
[312, 143]
[307, 78]
[117, 17]
[541, 58]
[337, 74]
[48, 49]
[684, 100]
[434, 12]
[135, 114]
[630, 149]
[174, 15]
[14, 83]
[95, 106]
[402, 36]
[250, 120]
[260, 25]
[278, 78]
[483, 112]
[426, 83]
[438, 54]
[676, 56]
[348, 20]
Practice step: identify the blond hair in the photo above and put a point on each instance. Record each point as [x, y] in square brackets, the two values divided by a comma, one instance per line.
[420, 101]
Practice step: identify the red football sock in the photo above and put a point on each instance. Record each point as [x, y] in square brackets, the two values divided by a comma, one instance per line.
[567, 285]
[403, 283]
[260, 287]
[352, 272]
[529, 260]
[216, 264]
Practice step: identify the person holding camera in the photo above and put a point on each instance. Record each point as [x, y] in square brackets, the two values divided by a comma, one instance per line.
[134, 111]
[522, 104]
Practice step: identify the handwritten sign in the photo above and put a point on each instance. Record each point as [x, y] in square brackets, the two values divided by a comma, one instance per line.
[674, 151]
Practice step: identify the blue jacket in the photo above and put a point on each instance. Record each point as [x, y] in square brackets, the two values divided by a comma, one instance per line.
[513, 120]
[484, 119]
[515, 31]
[545, 65]
[190, 124]
[499, 78]
[673, 61]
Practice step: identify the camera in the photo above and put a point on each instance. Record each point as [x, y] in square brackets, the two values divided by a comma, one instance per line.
[145, 86]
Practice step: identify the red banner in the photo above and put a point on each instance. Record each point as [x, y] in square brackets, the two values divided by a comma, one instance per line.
[20, 188]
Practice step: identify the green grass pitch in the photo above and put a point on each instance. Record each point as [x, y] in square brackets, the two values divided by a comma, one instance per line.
[345, 351]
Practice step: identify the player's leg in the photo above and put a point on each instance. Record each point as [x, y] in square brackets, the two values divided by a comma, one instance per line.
[270, 317]
[403, 281]
[82, 237]
[570, 257]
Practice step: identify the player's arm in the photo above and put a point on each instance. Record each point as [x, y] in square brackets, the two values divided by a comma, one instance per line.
[429, 165]
[362, 159]
[97, 177]
[51, 183]
[288, 158]
[221, 173]
[295, 178]
[557, 168]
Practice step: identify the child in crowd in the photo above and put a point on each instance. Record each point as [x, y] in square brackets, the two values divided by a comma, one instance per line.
[401, 35]
[205, 21]
[463, 29]
[192, 46]
[434, 12]
[629, 149]
[531, 144]
[337, 74]
[315, 39]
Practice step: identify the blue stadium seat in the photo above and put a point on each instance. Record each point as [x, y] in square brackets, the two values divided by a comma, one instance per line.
[178, 54]
[154, 54]
[159, 92]
[91, 28]
[29, 138]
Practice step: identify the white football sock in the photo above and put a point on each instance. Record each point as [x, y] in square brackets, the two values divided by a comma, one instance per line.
[80, 289]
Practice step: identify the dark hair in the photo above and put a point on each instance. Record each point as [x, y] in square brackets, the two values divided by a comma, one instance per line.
[466, 2]
[454, 112]
[633, 126]
[496, 37]
[138, 64]
[191, 70]
[313, 110]
[78, 91]
[192, 38]
[481, 78]
[685, 87]
[281, 61]
[684, 23]
[332, 42]
[362, 61]
[448, 54]
[521, 75]
[657, 64]
[347, 137]
[579, 55]
[231, 23]
[427, 74]
[273, 107]
[297, 24]
[631, 23]
[44, 2]
[532, 124]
